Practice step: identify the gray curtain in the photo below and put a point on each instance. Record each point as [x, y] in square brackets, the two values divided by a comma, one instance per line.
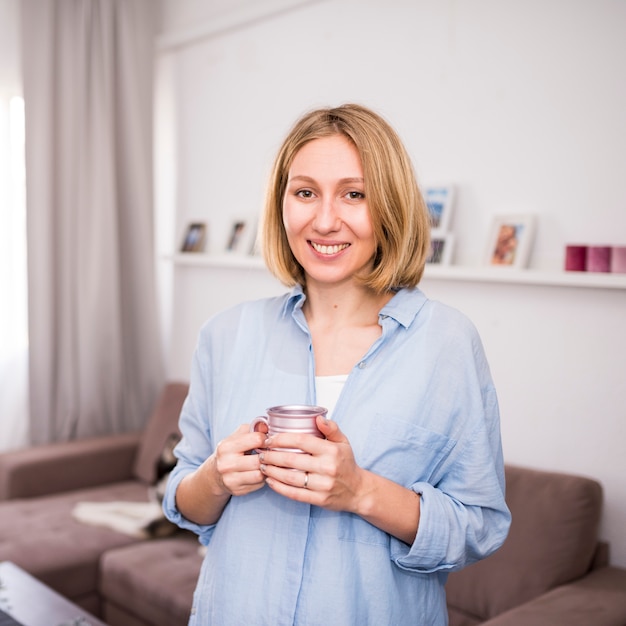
[95, 358]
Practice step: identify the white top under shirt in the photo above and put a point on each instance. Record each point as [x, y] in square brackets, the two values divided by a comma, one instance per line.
[328, 390]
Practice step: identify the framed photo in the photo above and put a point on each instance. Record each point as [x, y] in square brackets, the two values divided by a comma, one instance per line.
[439, 201]
[510, 240]
[195, 238]
[441, 246]
[238, 238]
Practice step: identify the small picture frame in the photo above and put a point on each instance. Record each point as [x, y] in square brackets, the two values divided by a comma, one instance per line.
[195, 238]
[238, 238]
[510, 240]
[441, 247]
[439, 200]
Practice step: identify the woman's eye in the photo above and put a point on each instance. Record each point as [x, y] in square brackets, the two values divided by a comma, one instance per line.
[355, 195]
[304, 193]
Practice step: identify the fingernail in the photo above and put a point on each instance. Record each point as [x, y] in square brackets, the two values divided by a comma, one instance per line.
[268, 441]
[263, 468]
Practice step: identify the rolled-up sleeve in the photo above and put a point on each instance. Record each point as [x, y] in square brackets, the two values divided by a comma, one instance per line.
[196, 444]
[463, 515]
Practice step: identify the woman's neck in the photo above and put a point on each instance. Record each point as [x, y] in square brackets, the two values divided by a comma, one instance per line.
[343, 305]
[343, 323]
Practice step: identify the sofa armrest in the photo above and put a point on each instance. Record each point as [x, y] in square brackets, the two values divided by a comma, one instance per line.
[599, 598]
[59, 467]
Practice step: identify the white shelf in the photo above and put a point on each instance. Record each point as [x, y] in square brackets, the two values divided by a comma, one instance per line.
[437, 272]
[526, 277]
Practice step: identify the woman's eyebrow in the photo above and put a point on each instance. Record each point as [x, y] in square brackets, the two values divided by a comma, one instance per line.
[352, 179]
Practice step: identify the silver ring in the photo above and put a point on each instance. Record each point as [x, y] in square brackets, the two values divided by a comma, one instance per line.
[306, 480]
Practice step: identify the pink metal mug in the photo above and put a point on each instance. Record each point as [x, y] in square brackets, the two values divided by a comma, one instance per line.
[290, 418]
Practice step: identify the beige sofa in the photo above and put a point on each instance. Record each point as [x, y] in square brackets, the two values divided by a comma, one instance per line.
[39, 489]
[551, 570]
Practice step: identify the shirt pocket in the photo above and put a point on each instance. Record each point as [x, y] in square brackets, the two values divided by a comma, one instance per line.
[403, 451]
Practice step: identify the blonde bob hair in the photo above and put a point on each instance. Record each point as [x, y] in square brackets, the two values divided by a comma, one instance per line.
[398, 211]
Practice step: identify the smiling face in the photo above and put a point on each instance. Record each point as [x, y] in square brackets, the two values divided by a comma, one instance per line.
[325, 211]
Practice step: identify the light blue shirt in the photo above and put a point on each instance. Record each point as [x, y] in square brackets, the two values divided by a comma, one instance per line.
[420, 409]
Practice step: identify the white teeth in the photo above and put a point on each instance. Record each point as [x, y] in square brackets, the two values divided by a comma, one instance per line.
[329, 249]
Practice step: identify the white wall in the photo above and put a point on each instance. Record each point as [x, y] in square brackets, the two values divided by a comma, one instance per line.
[10, 74]
[520, 104]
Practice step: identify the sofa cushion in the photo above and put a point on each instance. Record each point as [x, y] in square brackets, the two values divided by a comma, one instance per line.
[162, 424]
[151, 582]
[457, 617]
[551, 542]
[41, 536]
[598, 598]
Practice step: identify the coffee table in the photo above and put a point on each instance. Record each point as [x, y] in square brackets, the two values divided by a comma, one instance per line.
[30, 603]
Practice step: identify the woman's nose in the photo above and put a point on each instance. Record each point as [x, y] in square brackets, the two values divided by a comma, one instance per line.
[327, 216]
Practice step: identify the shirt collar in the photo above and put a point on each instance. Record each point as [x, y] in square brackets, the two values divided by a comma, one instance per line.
[294, 300]
[403, 307]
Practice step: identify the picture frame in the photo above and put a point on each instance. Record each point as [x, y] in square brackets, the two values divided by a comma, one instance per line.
[439, 200]
[238, 238]
[441, 249]
[510, 240]
[195, 237]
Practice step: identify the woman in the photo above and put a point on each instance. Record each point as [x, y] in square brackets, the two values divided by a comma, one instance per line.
[408, 484]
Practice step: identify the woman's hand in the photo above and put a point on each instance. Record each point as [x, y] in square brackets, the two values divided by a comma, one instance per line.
[230, 471]
[236, 472]
[329, 477]
[326, 476]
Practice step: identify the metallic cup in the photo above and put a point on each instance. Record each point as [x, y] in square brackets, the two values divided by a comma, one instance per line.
[290, 418]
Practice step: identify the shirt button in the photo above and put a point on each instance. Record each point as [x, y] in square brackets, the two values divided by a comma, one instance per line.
[362, 364]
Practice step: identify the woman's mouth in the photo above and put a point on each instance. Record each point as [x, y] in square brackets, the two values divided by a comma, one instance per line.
[332, 249]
